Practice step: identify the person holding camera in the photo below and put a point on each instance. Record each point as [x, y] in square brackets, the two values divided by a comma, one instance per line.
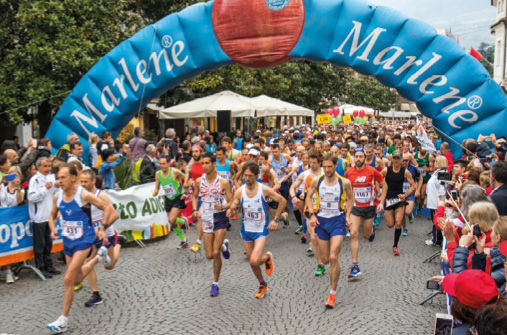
[498, 181]
[110, 160]
[434, 190]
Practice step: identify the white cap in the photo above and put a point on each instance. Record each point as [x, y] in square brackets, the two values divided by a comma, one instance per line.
[258, 131]
[249, 145]
[254, 152]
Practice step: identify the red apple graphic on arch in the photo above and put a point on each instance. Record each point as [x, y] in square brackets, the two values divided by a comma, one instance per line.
[258, 33]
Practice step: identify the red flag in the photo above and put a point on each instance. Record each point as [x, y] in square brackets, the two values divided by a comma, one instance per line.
[475, 54]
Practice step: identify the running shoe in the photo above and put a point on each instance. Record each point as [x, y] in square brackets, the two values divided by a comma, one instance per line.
[227, 250]
[396, 252]
[103, 256]
[94, 300]
[410, 219]
[303, 238]
[299, 230]
[372, 236]
[285, 218]
[262, 290]
[331, 300]
[404, 232]
[429, 242]
[320, 270]
[59, 326]
[309, 251]
[185, 222]
[214, 290]
[9, 277]
[184, 245]
[196, 247]
[376, 221]
[348, 233]
[355, 272]
[78, 286]
[270, 266]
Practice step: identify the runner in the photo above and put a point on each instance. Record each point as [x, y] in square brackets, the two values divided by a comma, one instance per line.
[78, 234]
[230, 152]
[255, 221]
[196, 172]
[408, 162]
[425, 165]
[281, 163]
[212, 197]
[88, 182]
[394, 207]
[298, 169]
[305, 180]
[332, 192]
[226, 168]
[364, 179]
[171, 180]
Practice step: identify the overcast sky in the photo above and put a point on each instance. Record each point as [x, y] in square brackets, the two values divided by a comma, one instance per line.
[470, 20]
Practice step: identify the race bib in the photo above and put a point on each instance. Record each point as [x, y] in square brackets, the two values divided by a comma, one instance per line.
[362, 194]
[421, 171]
[314, 200]
[406, 187]
[73, 230]
[392, 202]
[280, 174]
[169, 190]
[253, 220]
[225, 174]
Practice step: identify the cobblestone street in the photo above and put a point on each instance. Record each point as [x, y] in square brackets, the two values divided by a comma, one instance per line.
[162, 290]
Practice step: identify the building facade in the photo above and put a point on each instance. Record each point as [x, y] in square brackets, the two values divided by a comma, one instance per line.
[499, 31]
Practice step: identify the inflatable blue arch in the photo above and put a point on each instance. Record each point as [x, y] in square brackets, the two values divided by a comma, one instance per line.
[447, 84]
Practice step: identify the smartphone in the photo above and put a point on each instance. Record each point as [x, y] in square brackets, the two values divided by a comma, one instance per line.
[433, 285]
[477, 231]
[455, 195]
[443, 324]
[10, 177]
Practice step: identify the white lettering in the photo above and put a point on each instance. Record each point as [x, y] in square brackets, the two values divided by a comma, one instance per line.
[15, 236]
[28, 228]
[109, 107]
[461, 115]
[412, 80]
[5, 233]
[411, 60]
[175, 53]
[437, 80]
[450, 95]
[388, 63]
[156, 61]
[133, 84]
[119, 83]
[90, 120]
[356, 31]
[141, 70]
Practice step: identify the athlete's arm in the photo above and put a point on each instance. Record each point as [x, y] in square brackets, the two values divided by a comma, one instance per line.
[112, 216]
[309, 203]
[226, 187]
[195, 198]
[157, 185]
[382, 198]
[432, 166]
[179, 175]
[299, 180]
[270, 193]
[53, 216]
[413, 185]
[349, 199]
[236, 199]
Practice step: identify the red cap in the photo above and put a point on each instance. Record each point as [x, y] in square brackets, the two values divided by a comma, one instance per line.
[503, 248]
[473, 288]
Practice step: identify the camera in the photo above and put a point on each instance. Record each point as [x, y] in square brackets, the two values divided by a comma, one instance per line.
[433, 285]
[455, 195]
[443, 324]
[444, 176]
[477, 231]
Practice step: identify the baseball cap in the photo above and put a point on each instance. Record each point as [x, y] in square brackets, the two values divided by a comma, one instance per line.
[473, 288]
[249, 146]
[253, 152]
[356, 150]
[503, 248]
[396, 153]
[258, 131]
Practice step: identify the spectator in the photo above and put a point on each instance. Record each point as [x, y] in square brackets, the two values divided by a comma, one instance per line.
[15, 142]
[44, 148]
[64, 151]
[499, 181]
[93, 154]
[491, 319]
[76, 153]
[41, 191]
[5, 165]
[485, 182]
[12, 194]
[138, 144]
[170, 143]
[148, 166]
[110, 160]
[444, 150]
[187, 151]
[434, 190]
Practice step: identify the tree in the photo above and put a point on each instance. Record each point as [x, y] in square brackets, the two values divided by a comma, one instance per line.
[50, 44]
[367, 91]
[488, 53]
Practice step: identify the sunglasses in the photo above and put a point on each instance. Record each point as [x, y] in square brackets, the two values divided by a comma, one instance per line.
[405, 160]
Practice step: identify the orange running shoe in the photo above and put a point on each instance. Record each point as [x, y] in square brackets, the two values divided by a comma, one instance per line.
[261, 291]
[270, 266]
[330, 301]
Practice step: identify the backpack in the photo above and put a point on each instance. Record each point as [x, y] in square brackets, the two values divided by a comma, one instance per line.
[136, 170]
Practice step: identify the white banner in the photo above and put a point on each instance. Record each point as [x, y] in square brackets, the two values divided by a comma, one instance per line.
[137, 207]
[423, 139]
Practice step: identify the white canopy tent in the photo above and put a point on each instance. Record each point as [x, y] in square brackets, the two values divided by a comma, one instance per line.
[399, 115]
[268, 106]
[348, 109]
[239, 105]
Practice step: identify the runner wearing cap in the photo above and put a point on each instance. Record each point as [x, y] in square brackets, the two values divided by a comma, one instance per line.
[394, 207]
[364, 180]
[255, 225]
[407, 163]
[332, 192]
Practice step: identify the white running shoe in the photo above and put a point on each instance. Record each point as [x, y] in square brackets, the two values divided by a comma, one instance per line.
[103, 256]
[9, 277]
[59, 326]
[429, 242]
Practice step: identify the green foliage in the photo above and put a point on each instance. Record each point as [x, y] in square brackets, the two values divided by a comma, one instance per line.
[488, 52]
[367, 91]
[123, 174]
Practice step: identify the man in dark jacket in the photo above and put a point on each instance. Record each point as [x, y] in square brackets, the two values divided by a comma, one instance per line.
[148, 165]
[499, 183]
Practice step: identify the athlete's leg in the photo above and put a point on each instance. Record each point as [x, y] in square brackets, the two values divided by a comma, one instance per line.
[218, 242]
[324, 251]
[355, 222]
[334, 255]
[114, 255]
[399, 214]
[389, 216]
[315, 244]
[173, 218]
[256, 256]
[367, 228]
[422, 196]
[73, 276]
[92, 275]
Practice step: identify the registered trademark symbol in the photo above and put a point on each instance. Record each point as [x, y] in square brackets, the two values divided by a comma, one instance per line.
[167, 41]
[474, 102]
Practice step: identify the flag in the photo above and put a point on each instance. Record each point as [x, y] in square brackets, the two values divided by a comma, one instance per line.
[423, 139]
[475, 54]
